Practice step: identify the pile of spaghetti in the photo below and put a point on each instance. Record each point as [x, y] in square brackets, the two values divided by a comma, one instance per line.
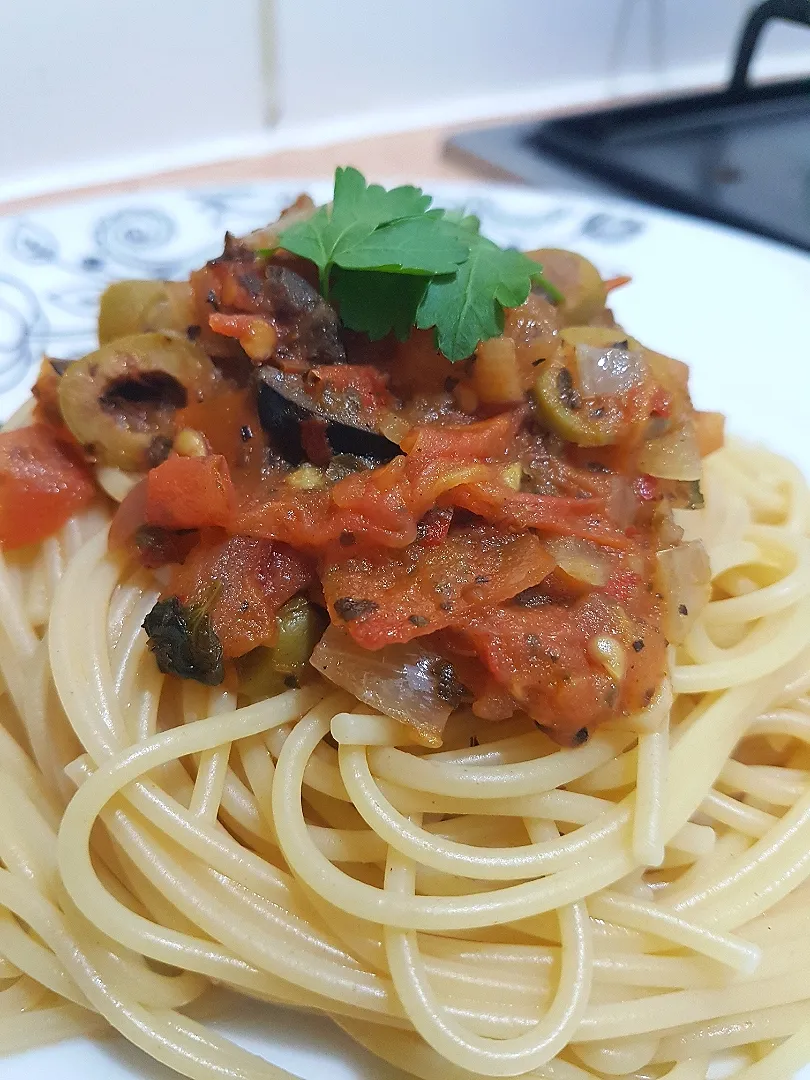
[451, 679]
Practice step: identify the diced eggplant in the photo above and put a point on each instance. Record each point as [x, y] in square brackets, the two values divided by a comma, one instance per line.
[307, 329]
[304, 429]
[305, 320]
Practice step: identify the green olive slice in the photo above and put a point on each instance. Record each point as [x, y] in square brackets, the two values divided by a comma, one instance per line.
[136, 307]
[563, 409]
[584, 293]
[120, 401]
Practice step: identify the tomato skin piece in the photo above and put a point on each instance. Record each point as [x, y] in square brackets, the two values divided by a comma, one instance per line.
[300, 518]
[190, 493]
[477, 441]
[426, 587]
[43, 483]
[519, 510]
[249, 579]
[541, 654]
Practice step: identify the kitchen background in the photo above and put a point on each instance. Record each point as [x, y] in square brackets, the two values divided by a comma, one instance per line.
[94, 90]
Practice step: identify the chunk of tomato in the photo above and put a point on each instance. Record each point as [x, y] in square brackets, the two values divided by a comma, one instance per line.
[243, 582]
[42, 484]
[385, 596]
[190, 493]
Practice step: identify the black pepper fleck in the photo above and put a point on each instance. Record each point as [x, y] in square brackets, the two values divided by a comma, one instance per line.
[580, 736]
[638, 645]
[350, 609]
[448, 687]
[245, 433]
[418, 620]
[683, 609]
[482, 579]
[193, 332]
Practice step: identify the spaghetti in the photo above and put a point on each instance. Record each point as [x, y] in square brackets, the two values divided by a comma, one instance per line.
[506, 909]
[560, 849]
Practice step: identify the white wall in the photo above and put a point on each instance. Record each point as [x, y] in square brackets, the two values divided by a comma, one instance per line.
[346, 56]
[84, 80]
[96, 88]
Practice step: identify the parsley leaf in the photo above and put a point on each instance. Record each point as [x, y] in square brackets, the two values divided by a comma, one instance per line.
[378, 303]
[422, 245]
[355, 199]
[357, 209]
[467, 307]
[394, 262]
[467, 222]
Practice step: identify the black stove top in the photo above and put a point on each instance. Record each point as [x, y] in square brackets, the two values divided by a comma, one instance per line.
[740, 155]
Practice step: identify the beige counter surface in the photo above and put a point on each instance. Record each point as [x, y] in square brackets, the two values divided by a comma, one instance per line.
[414, 154]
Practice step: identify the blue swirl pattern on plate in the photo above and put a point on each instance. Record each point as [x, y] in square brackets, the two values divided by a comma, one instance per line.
[54, 263]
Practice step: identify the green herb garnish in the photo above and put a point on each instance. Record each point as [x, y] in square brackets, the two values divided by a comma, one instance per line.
[369, 228]
[183, 640]
[467, 307]
[393, 263]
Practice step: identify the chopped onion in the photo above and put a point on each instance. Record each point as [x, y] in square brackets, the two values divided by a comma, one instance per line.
[409, 682]
[580, 559]
[673, 456]
[116, 482]
[496, 377]
[684, 578]
[393, 427]
[622, 502]
[612, 370]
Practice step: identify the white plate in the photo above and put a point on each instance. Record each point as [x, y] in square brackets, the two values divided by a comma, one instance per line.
[733, 306]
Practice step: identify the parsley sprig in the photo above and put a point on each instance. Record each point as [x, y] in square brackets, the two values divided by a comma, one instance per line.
[392, 262]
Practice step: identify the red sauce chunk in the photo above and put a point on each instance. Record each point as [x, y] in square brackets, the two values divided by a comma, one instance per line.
[42, 484]
[487, 525]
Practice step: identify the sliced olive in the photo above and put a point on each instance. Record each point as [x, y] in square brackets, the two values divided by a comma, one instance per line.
[120, 401]
[136, 307]
[264, 672]
[566, 413]
[578, 280]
